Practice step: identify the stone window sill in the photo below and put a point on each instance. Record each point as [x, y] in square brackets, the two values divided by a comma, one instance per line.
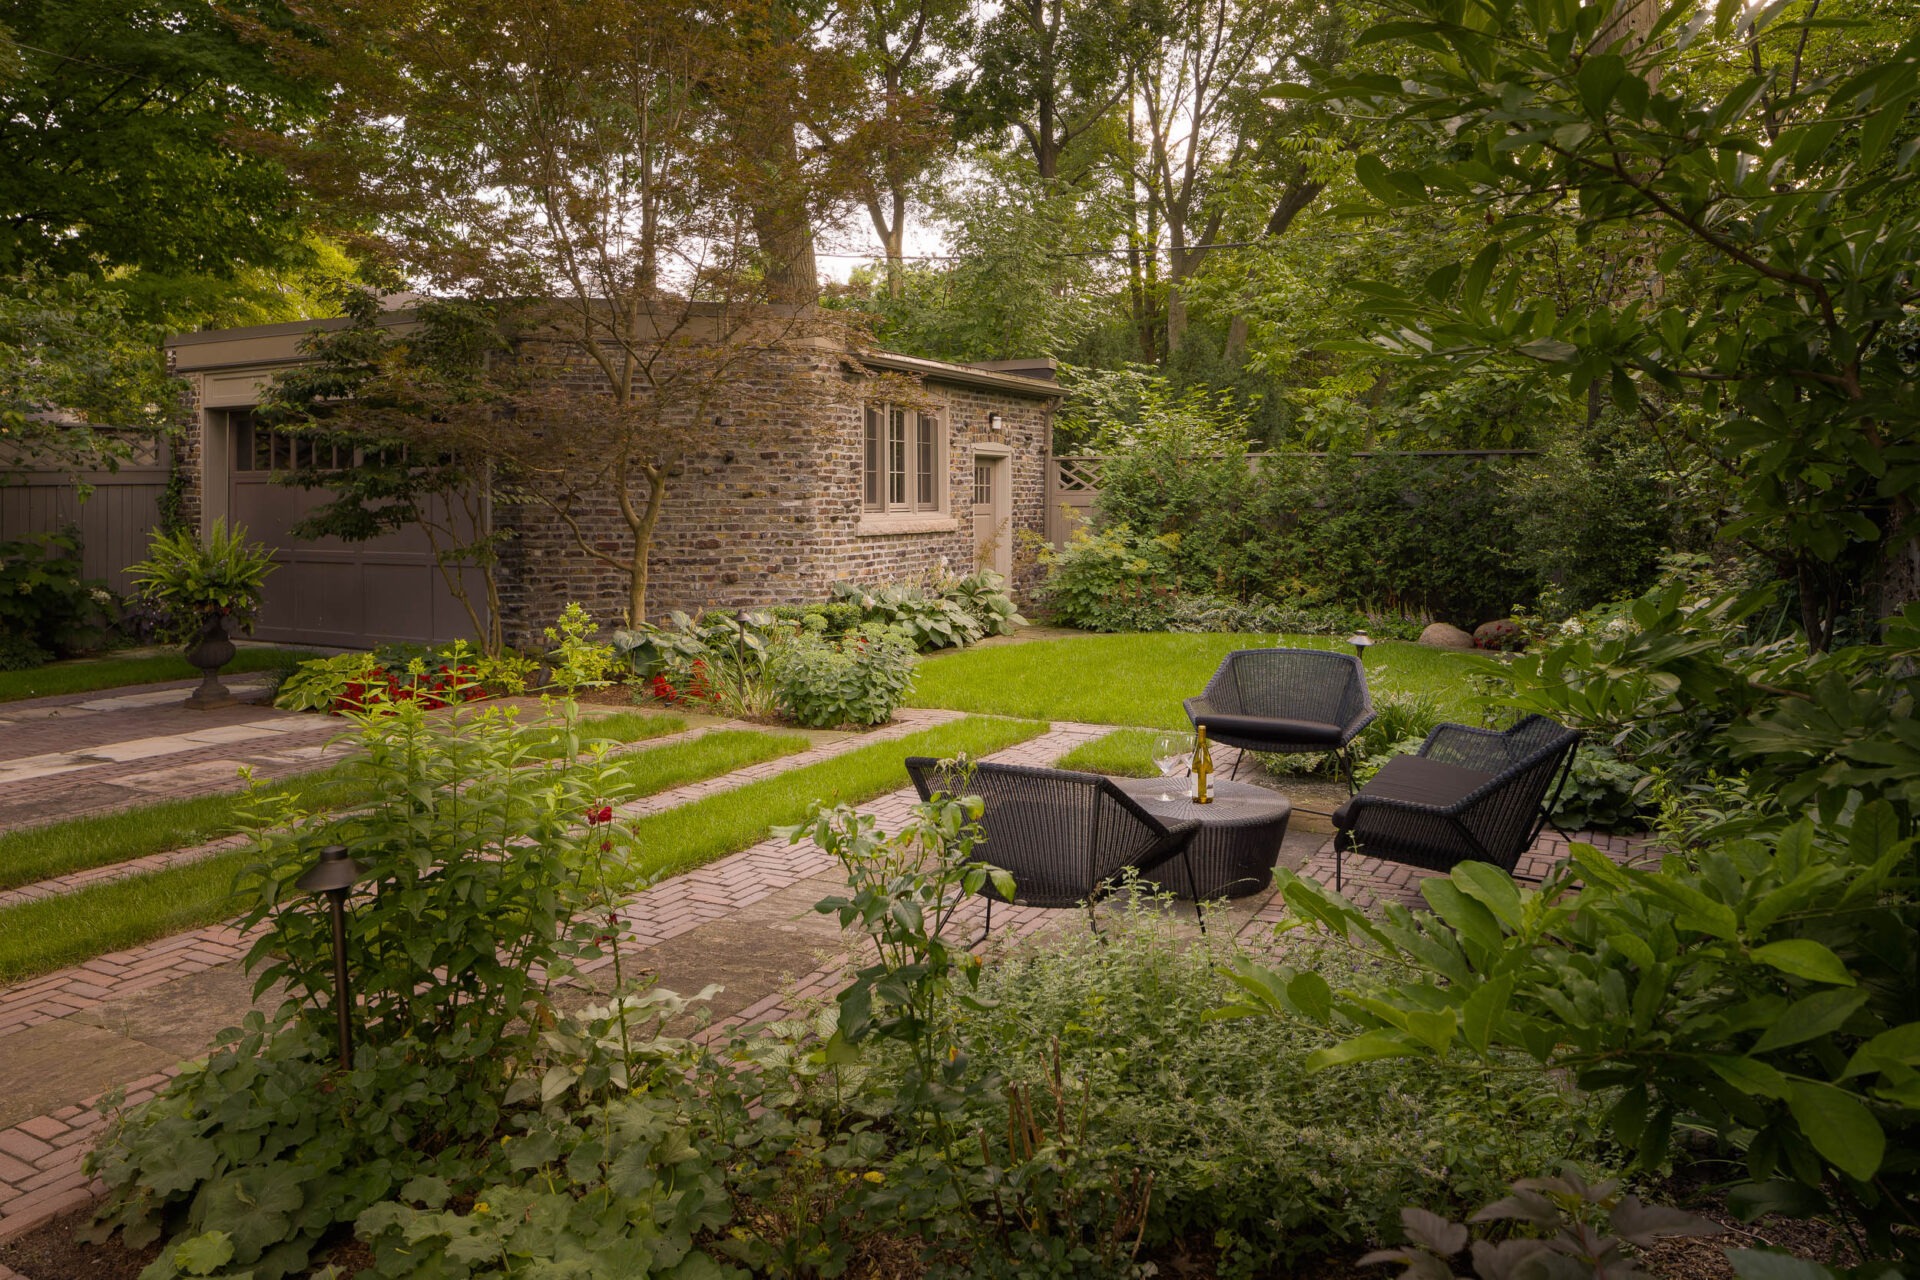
[874, 525]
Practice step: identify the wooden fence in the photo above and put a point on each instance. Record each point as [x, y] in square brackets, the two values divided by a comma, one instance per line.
[1073, 483]
[113, 520]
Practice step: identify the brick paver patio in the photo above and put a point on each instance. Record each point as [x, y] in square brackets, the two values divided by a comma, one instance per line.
[40, 1155]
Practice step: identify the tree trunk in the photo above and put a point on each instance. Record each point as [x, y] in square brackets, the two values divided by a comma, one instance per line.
[1235, 351]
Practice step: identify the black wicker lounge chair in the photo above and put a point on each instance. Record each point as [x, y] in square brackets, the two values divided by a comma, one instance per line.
[1468, 794]
[1062, 836]
[1286, 701]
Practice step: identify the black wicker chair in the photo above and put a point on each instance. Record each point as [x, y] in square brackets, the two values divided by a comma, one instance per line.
[1467, 795]
[1286, 701]
[1062, 836]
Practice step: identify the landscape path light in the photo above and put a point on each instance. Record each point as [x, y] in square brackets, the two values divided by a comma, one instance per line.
[1360, 640]
[334, 876]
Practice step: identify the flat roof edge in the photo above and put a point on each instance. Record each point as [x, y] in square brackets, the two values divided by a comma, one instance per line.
[966, 375]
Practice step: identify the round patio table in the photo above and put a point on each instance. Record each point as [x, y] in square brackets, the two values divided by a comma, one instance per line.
[1239, 840]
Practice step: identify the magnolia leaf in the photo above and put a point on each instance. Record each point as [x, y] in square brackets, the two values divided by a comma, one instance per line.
[1365, 1048]
[1549, 350]
[1840, 1128]
[1764, 1264]
[1432, 1232]
[1748, 1075]
[1899, 1047]
[1816, 1015]
[1805, 958]
[1310, 995]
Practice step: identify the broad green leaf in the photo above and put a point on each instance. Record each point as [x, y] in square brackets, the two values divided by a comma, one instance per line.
[1480, 1015]
[1805, 958]
[1840, 1128]
[1819, 1014]
[1364, 1048]
[204, 1254]
[1597, 78]
[1468, 918]
[1492, 887]
[1311, 996]
[1899, 1047]
[1748, 1075]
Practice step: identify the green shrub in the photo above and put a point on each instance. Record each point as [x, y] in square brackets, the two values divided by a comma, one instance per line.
[479, 892]
[832, 620]
[1247, 1147]
[1387, 534]
[859, 679]
[1112, 579]
[1603, 792]
[47, 609]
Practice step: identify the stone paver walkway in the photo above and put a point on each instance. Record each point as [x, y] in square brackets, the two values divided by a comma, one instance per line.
[90, 753]
[745, 921]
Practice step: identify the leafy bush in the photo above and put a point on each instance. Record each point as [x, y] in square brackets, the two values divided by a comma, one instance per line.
[1603, 792]
[1397, 535]
[1246, 1147]
[1112, 579]
[435, 678]
[47, 609]
[1774, 969]
[722, 659]
[480, 893]
[859, 679]
[193, 583]
[949, 614]
[833, 620]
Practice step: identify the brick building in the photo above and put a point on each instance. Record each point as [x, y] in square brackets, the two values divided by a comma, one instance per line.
[823, 462]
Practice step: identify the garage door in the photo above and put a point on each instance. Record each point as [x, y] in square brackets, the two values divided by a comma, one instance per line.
[327, 592]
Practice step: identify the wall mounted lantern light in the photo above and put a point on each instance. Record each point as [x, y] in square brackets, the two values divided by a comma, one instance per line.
[996, 424]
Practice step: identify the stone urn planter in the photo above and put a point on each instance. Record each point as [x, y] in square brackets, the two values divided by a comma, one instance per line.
[212, 650]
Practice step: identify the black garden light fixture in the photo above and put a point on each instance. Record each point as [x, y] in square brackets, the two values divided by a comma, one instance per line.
[334, 875]
[1360, 640]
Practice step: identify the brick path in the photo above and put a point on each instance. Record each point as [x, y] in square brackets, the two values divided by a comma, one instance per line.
[39, 1157]
[87, 753]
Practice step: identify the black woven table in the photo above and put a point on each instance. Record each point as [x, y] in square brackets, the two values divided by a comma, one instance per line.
[1239, 840]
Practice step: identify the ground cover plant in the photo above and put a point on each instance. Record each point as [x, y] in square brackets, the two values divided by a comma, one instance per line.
[1754, 982]
[86, 675]
[50, 933]
[1140, 679]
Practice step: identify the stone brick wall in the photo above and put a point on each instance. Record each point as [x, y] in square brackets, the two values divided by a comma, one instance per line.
[767, 510]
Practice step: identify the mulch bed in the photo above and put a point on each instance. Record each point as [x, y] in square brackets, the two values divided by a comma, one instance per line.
[55, 1252]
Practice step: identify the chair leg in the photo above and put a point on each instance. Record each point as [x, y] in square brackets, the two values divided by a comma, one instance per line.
[1346, 767]
[986, 930]
[1193, 891]
[1238, 757]
[1336, 869]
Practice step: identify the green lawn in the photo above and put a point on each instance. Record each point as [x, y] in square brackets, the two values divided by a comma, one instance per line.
[1141, 679]
[1124, 753]
[682, 838]
[59, 848]
[88, 674]
[36, 937]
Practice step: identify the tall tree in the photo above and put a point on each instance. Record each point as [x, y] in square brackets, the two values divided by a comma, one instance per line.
[1198, 87]
[898, 127]
[1052, 71]
[118, 131]
[1773, 165]
[600, 164]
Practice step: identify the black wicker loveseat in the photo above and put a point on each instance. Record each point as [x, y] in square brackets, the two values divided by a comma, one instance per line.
[1064, 837]
[1286, 701]
[1466, 795]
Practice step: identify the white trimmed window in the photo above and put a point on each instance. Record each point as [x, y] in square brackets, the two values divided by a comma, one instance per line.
[904, 461]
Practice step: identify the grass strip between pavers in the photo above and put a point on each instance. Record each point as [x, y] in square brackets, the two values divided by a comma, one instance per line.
[691, 834]
[1124, 753]
[99, 840]
[90, 674]
[37, 937]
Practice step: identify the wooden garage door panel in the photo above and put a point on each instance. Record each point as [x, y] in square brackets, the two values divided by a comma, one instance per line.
[329, 592]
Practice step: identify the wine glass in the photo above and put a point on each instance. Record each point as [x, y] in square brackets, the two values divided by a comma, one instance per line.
[1173, 754]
